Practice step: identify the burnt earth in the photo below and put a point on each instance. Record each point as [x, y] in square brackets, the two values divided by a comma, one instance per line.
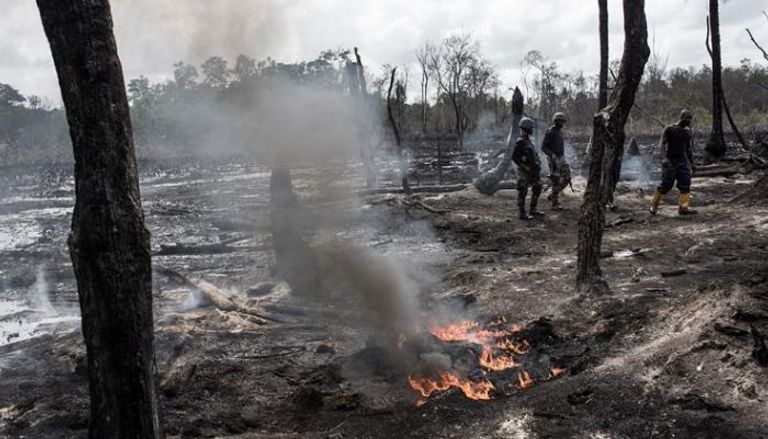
[650, 361]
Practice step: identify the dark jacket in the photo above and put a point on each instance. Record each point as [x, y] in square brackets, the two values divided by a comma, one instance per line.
[525, 156]
[553, 143]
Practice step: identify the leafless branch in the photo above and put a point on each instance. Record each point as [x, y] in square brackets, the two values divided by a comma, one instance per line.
[765, 54]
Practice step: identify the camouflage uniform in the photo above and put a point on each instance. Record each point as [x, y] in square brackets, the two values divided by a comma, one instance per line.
[559, 170]
[528, 173]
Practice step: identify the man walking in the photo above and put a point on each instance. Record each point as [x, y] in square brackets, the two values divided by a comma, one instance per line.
[528, 170]
[559, 170]
[677, 165]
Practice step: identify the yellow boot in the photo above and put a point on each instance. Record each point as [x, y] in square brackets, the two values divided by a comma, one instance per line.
[685, 202]
[654, 209]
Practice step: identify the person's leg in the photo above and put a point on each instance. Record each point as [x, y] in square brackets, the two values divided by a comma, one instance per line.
[536, 188]
[522, 191]
[683, 175]
[667, 183]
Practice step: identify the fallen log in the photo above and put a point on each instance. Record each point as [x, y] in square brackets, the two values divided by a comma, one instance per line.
[674, 273]
[210, 295]
[415, 190]
[721, 172]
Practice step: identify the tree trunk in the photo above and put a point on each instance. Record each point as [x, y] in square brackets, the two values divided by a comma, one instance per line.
[367, 149]
[400, 150]
[604, 55]
[295, 260]
[109, 244]
[716, 144]
[424, 90]
[489, 183]
[608, 134]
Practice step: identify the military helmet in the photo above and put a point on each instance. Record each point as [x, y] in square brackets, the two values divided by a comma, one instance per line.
[560, 117]
[686, 114]
[527, 123]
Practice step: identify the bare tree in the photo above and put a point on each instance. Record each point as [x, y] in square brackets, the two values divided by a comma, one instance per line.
[423, 56]
[604, 54]
[398, 140]
[367, 149]
[716, 145]
[608, 134]
[488, 183]
[109, 244]
[460, 75]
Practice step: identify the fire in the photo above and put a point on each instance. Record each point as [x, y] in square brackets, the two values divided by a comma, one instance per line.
[479, 390]
[498, 345]
[555, 372]
[503, 362]
[525, 380]
[521, 348]
[471, 331]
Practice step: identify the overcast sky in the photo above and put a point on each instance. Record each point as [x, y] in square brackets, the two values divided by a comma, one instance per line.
[153, 34]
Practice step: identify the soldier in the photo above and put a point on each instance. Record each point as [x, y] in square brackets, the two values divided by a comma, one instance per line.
[677, 165]
[528, 170]
[559, 170]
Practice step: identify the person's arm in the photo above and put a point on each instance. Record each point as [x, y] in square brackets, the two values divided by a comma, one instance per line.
[664, 142]
[689, 150]
[517, 155]
[546, 144]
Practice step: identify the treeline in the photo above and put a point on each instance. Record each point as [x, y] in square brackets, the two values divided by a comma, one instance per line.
[456, 92]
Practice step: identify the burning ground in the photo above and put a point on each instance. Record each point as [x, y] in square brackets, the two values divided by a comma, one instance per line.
[473, 330]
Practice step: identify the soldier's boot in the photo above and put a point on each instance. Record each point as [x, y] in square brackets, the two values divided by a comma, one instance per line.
[655, 201]
[684, 205]
[521, 193]
[554, 197]
[534, 204]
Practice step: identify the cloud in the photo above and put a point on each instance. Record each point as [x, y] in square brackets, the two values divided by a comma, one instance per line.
[152, 35]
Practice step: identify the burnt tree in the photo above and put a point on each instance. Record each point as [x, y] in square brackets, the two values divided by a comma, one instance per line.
[403, 158]
[295, 261]
[608, 135]
[108, 244]
[604, 55]
[365, 127]
[716, 144]
[489, 183]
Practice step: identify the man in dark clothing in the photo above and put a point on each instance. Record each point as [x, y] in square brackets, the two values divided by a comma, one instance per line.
[553, 146]
[528, 170]
[677, 165]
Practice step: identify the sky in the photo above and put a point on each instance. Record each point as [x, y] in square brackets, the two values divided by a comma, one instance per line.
[154, 34]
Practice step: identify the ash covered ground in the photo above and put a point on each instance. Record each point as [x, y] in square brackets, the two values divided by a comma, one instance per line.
[665, 356]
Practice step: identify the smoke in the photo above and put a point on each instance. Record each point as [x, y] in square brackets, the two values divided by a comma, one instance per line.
[39, 298]
[276, 122]
[197, 29]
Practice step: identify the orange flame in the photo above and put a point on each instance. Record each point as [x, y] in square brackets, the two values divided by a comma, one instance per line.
[480, 390]
[555, 372]
[511, 345]
[504, 362]
[525, 380]
[470, 331]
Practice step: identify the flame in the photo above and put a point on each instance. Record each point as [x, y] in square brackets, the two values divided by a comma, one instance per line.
[471, 331]
[555, 372]
[479, 390]
[525, 380]
[511, 345]
[503, 362]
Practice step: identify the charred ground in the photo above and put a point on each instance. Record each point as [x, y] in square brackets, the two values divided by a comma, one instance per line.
[665, 356]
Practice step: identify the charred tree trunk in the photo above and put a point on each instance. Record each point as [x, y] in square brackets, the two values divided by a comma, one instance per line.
[108, 244]
[608, 134]
[400, 150]
[424, 90]
[295, 260]
[604, 55]
[488, 184]
[367, 150]
[716, 144]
